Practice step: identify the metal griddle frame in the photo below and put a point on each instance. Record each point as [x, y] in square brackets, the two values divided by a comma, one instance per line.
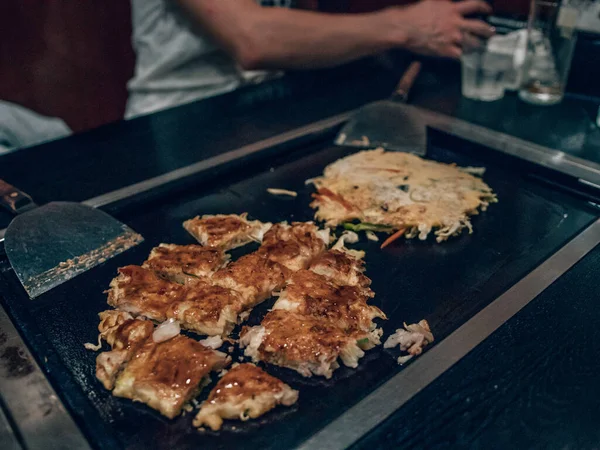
[38, 419]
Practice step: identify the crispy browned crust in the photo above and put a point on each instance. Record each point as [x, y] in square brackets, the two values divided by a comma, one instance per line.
[293, 246]
[120, 330]
[225, 231]
[343, 306]
[254, 277]
[180, 262]
[219, 230]
[167, 375]
[109, 321]
[207, 309]
[244, 392]
[243, 381]
[124, 334]
[140, 291]
[293, 339]
[341, 267]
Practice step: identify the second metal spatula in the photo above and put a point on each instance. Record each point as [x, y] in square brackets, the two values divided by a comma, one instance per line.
[384, 124]
[53, 243]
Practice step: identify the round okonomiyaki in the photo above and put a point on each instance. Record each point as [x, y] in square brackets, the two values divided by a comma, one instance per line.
[400, 192]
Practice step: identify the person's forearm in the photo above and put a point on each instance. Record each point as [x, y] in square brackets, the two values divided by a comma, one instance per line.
[276, 38]
[297, 39]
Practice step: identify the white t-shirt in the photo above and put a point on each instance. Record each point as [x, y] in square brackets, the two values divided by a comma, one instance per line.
[175, 62]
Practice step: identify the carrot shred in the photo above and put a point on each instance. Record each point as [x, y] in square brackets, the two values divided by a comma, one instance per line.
[336, 198]
[393, 237]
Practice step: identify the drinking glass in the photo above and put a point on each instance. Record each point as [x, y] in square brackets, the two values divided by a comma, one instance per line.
[551, 38]
[483, 70]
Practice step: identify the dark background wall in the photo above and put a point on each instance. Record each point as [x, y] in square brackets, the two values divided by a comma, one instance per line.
[69, 59]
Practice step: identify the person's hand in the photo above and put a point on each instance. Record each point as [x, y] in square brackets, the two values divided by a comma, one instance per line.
[437, 27]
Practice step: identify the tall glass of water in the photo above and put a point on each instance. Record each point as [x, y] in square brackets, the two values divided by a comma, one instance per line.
[483, 70]
[551, 38]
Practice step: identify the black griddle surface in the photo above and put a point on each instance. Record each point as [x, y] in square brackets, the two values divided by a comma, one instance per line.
[445, 284]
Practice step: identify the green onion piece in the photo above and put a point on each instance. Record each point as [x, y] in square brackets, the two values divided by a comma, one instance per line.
[366, 226]
[363, 341]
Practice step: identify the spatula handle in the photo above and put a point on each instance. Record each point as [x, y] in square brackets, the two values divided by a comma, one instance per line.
[14, 200]
[406, 82]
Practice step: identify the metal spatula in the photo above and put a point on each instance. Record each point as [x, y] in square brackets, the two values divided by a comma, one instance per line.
[384, 124]
[50, 244]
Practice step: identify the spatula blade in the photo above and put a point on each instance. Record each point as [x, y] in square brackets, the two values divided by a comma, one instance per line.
[384, 124]
[60, 240]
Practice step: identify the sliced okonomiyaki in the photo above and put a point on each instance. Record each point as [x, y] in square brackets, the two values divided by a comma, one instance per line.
[226, 231]
[308, 345]
[168, 374]
[184, 263]
[124, 334]
[390, 191]
[208, 309]
[341, 267]
[142, 292]
[253, 276]
[295, 245]
[244, 392]
[346, 307]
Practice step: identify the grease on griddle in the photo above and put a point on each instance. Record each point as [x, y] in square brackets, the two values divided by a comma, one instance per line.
[15, 362]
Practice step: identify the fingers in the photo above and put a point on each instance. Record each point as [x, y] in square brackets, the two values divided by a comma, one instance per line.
[468, 7]
[478, 28]
[471, 42]
[457, 38]
[454, 52]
